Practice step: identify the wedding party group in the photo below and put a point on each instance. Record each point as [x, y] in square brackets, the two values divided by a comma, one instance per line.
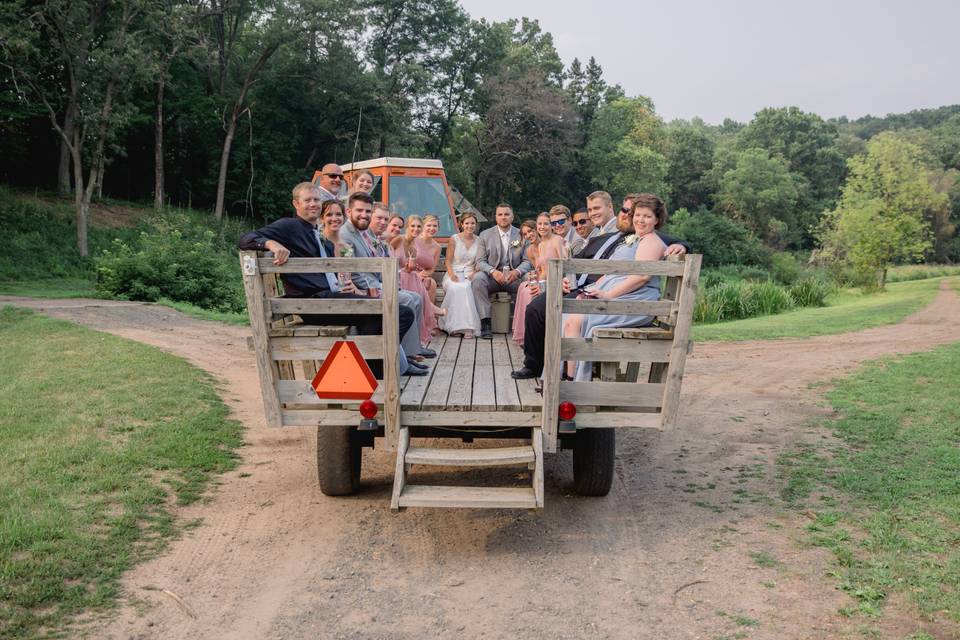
[503, 258]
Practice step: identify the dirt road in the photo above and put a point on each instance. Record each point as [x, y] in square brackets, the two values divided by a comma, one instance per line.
[669, 554]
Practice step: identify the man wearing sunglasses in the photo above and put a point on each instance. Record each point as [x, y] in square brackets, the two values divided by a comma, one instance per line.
[331, 177]
[560, 223]
[582, 224]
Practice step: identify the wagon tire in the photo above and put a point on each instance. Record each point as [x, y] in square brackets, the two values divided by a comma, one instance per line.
[338, 460]
[593, 459]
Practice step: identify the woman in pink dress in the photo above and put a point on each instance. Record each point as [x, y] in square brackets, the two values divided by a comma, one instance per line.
[428, 254]
[404, 247]
[544, 245]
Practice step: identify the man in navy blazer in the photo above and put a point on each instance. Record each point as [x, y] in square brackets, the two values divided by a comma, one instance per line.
[299, 237]
[501, 264]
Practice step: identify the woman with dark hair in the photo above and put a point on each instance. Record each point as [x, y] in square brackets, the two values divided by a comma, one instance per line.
[394, 228]
[461, 309]
[649, 214]
[331, 219]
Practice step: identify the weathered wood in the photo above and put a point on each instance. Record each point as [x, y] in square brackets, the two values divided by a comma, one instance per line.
[416, 386]
[491, 457]
[297, 348]
[635, 333]
[391, 351]
[625, 419]
[671, 291]
[461, 387]
[507, 397]
[301, 393]
[285, 370]
[400, 473]
[678, 354]
[614, 350]
[470, 419]
[300, 418]
[468, 497]
[625, 267]
[617, 307]
[319, 306]
[612, 394]
[658, 371]
[551, 367]
[536, 437]
[530, 398]
[484, 391]
[328, 265]
[439, 389]
[260, 317]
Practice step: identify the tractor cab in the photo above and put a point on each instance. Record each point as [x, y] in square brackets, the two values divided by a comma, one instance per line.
[411, 186]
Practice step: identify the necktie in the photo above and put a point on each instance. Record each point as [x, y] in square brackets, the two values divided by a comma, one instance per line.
[368, 242]
[331, 279]
[605, 251]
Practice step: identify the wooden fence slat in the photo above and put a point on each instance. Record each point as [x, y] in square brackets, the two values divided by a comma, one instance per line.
[371, 306]
[484, 392]
[301, 393]
[317, 348]
[472, 418]
[625, 267]
[260, 317]
[618, 307]
[323, 265]
[620, 420]
[612, 394]
[614, 350]
[551, 362]
[391, 351]
[681, 338]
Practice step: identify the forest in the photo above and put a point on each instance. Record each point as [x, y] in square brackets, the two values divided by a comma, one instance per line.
[222, 105]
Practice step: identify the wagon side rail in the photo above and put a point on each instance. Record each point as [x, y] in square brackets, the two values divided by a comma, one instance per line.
[621, 397]
[288, 401]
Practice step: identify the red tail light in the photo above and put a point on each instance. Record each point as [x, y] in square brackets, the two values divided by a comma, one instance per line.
[368, 409]
[567, 410]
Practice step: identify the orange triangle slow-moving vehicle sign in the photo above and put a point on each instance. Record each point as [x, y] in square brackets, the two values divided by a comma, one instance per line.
[344, 374]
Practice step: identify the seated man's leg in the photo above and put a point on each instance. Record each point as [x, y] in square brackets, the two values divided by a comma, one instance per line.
[411, 339]
[481, 285]
[534, 329]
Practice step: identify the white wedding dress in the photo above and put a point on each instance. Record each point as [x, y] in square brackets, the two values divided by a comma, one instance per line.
[458, 296]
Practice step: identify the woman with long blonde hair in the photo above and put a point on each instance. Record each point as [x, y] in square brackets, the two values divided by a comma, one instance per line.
[544, 244]
[405, 249]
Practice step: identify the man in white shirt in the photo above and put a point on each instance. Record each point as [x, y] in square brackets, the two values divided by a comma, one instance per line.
[600, 210]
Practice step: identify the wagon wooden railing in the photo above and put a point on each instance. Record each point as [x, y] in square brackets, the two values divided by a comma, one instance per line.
[620, 399]
[288, 401]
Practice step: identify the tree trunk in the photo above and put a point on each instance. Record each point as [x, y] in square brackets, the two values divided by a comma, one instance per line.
[224, 163]
[158, 178]
[82, 207]
[63, 171]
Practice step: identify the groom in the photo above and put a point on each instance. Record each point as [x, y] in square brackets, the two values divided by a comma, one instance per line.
[501, 264]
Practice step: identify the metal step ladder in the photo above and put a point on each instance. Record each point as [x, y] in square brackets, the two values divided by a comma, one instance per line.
[412, 495]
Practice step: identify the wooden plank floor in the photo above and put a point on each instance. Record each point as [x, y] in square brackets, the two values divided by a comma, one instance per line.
[471, 375]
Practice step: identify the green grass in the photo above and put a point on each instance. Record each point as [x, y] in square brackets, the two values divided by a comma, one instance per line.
[887, 497]
[921, 271]
[99, 438]
[194, 311]
[848, 311]
[58, 288]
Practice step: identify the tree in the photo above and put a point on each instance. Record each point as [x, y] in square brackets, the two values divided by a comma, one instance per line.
[881, 215]
[760, 192]
[689, 152]
[624, 151]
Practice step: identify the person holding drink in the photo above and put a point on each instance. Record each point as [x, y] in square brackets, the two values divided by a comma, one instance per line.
[544, 245]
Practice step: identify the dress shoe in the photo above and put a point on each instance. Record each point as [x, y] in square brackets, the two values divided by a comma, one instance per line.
[415, 371]
[428, 353]
[485, 330]
[524, 374]
[416, 365]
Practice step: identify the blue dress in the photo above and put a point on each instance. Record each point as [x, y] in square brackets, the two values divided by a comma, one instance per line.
[649, 291]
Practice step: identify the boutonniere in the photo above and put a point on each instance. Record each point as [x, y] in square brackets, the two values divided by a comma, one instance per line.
[377, 244]
[630, 239]
[515, 244]
[346, 251]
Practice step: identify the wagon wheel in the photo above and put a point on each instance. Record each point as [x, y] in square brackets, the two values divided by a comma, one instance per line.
[338, 460]
[593, 458]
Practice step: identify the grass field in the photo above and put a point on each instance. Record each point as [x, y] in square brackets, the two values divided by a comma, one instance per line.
[888, 495]
[848, 311]
[99, 438]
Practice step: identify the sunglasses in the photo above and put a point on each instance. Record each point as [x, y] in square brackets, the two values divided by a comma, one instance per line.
[338, 176]
[557, 223]
[624, 210]
[580, 222]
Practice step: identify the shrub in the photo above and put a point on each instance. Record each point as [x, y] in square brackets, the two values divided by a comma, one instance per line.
[173, 260]
[764, 299]
[810, 292]
[784, 268]
[734, 300]
[720, 239]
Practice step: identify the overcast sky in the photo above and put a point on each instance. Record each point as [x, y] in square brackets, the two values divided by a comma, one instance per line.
[732, 58]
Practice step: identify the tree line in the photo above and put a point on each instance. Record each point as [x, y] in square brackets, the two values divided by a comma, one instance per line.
[223, 104]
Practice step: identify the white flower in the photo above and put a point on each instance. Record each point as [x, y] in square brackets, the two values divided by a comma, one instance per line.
[515, 244]
[346, 251]
[630, 239]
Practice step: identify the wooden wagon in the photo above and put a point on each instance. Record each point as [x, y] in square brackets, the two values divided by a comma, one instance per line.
[468, 394]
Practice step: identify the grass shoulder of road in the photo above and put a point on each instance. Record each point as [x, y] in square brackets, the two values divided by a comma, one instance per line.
[100, 438]
[886, 493]
[847, 311]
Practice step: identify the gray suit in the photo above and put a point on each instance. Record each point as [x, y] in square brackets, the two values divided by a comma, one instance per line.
[410, 341]
[490, 258]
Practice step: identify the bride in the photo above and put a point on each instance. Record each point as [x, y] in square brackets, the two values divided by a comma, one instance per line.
[461, 309]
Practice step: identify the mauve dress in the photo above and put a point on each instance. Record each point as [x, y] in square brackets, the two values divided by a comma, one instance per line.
[410, 281]
[523, 293]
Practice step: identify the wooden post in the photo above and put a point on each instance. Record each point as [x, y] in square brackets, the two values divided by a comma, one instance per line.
[391, 349]
[551, 353]
[259, 326]
[681, 337]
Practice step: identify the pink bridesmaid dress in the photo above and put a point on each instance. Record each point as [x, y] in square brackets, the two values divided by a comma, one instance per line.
[410, 281]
